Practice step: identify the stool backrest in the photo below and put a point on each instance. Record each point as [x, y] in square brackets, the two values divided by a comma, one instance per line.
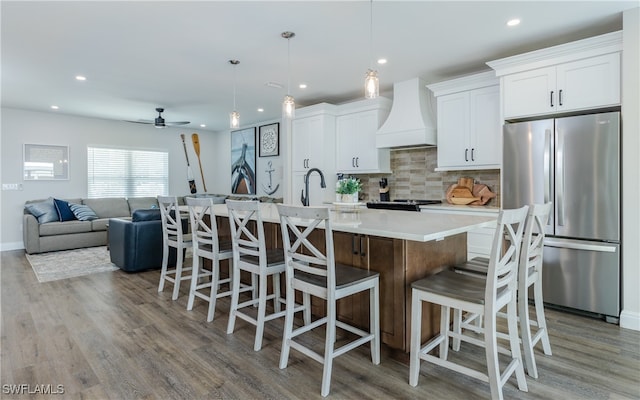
[300, 253]
[502, 273]
[533, 240]
[245, 241]
[171, 218]
[204, 229]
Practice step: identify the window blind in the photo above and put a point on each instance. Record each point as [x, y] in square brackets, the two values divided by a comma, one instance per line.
[114, 172]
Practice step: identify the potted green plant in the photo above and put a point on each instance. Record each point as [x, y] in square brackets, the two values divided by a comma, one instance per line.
[347, 190]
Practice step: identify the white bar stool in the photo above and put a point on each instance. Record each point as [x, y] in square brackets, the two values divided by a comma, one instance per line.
[172, 236]
[250, 254]
[315, 273]
[482, 296]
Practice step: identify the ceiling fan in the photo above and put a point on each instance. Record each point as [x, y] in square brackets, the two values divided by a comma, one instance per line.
[159, 122]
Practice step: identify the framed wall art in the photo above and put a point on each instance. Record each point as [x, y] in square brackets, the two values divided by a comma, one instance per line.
[269, 140]
[43, 162]
[243, 161]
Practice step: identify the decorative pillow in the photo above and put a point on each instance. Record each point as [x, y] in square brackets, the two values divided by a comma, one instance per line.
[64, 212]
[44, 211]
[83, 212]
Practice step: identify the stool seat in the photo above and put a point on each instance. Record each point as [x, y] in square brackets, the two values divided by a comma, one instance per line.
[456, 285]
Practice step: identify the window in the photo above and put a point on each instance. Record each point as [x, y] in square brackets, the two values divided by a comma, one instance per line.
[113, 172]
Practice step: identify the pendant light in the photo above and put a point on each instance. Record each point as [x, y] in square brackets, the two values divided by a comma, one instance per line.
[371, 85]
[234, 117]
[289, 104]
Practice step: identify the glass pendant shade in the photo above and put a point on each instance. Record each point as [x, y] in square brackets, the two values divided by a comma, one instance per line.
[288, 107]
[234, 120]
[371, 85]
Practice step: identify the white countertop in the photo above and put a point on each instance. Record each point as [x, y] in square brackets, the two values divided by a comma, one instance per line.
[408, 225]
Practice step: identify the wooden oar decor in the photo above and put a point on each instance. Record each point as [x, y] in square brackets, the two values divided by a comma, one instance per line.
[196, 147]
[192, 182]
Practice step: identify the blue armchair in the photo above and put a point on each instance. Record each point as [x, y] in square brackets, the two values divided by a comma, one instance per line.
[136, 245]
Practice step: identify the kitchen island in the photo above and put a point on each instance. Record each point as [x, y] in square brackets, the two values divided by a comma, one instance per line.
[401, 246]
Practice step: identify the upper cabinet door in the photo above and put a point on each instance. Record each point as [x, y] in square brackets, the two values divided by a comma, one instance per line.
[308, 143]
[589, 83]
[485, 128]
[356, 151]
[453, 129]
[585, 84]
[530, 92]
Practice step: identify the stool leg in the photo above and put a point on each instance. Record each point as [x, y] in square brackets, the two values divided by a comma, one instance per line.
[374, 318]
[163, 271]
[542, 321]
[262, 310]
[525, 332]
[288, 325]
[328, 347]
[178, 278]
[276, 293]
[235, 294]
[444, 331]
[213, 294]
[195, 271]
[514, 339]
[416, 325]
[491, 354]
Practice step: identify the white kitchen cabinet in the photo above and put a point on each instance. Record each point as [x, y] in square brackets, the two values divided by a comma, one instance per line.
[574, 76]
[469, 123]
[313, 146]
[356, 128]
[584, 84]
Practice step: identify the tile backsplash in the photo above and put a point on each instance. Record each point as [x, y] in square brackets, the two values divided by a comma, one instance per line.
[414, 177]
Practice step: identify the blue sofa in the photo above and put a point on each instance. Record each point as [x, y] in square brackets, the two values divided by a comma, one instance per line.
[136, 244]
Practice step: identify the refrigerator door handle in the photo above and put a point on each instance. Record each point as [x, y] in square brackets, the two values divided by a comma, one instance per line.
[547, 165]
[579, 245]
[560, 177]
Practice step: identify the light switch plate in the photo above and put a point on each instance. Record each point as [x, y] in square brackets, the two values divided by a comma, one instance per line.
[12, 186]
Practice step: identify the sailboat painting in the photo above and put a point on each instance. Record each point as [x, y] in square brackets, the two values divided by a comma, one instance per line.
[243, 161]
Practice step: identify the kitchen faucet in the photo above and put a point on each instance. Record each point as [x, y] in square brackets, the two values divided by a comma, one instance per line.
[304, 196]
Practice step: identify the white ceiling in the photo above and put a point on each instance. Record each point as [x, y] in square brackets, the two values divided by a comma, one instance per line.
[141, 55]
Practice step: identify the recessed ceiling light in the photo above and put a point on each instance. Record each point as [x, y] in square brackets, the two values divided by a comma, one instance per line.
[260, 109]
[54, 107]
[81, 78]
[303, 86]
[382, 61]
[273, 84]
[203, 126]
[513, 22]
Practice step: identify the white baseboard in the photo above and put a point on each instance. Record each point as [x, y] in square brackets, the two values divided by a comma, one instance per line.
[630, 320]
[11, 246]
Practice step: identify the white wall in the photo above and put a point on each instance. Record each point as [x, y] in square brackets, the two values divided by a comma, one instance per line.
[630, 316]
[21, 126]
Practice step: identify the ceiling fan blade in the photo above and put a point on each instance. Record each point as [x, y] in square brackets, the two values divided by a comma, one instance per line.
[140, 121]
[176, 123]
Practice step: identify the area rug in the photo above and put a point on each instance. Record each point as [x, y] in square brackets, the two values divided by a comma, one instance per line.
[66, 264]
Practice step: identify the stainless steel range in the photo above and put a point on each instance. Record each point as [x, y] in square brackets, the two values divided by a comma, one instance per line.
[401, 204]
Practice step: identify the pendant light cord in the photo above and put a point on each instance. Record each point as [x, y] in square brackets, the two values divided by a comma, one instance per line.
[288, 66]
[371, 34]
[235, 80]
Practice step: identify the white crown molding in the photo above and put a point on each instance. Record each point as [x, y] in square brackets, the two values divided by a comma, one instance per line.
[464, 83]
[585, 48]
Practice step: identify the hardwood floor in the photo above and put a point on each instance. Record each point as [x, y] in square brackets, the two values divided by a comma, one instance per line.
[113, 336]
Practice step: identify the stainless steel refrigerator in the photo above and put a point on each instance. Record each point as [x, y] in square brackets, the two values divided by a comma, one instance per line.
[573, 162]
